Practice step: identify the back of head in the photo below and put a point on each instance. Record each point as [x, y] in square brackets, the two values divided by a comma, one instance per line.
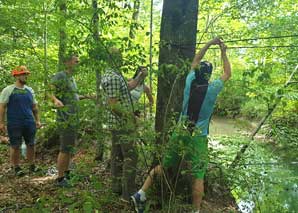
[69, 56]
[198, 90]
[115, 57]
[203, 72]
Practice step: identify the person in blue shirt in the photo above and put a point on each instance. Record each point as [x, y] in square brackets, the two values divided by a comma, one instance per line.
[192, 145]
[22, 118]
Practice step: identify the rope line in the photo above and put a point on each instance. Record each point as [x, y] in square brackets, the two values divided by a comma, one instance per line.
[186, 46]
[257, 38]
[239, 40]
[259, 47]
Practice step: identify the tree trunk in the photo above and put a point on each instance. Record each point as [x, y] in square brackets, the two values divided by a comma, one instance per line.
[177, 49]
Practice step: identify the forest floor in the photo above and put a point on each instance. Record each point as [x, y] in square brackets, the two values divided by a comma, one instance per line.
[90, 191]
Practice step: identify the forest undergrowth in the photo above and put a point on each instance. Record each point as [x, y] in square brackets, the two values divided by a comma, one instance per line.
[91, 188]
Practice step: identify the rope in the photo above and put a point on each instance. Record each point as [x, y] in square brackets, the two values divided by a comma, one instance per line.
[184, 46]
[259, 47]
[247, 39]
[258, 38]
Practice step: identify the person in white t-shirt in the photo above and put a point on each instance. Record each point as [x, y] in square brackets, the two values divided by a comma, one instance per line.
[137, 92]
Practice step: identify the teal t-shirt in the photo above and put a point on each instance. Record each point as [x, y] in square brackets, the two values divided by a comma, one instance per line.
[207, 107]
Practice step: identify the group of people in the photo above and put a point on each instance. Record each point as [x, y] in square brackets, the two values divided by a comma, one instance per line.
[121, 96]
[197, 107]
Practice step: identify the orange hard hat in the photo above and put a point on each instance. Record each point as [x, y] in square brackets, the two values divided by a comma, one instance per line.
[20, 70]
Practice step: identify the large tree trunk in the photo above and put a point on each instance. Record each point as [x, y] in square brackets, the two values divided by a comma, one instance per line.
[177, 49]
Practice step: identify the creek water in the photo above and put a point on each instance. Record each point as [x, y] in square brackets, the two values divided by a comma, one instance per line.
[276, 185]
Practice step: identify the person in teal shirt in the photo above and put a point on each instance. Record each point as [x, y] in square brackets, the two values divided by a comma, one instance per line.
[198, 104]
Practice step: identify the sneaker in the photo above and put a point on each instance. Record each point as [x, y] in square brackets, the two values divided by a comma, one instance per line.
[52, 171]
[138, 204]
[62, 183]
[34, 169]
[18, 171]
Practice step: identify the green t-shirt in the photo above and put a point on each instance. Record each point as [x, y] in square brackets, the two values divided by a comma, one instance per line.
[66, 91]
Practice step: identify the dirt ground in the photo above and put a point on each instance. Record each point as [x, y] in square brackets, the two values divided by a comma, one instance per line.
[33, 192]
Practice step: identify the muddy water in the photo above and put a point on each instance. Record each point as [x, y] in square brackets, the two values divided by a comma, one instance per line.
[227, 126]
[279, 193]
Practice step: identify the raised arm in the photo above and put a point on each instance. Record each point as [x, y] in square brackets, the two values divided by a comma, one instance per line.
[134, 82]
[226, 64]
[199, 56]
[147, 90]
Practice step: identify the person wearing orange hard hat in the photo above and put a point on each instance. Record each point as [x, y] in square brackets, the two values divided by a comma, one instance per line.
[20, 70]
[18, 100]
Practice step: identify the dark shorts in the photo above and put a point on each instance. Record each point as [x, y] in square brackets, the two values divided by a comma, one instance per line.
[68, 137]
[17, 133]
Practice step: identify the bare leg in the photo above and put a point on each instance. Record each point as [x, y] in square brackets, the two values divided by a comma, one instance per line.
[63, 162]
[15, 156]
[149, 180]
[139, 198]
[30, 154]
[197, 193]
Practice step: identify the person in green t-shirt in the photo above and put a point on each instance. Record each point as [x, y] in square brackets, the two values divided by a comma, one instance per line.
[65, 98]
[191, 143]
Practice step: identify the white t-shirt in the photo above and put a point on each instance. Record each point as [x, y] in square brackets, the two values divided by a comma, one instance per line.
[136, 93]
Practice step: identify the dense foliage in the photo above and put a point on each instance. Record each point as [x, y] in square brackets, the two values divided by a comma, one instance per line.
[262, 49]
